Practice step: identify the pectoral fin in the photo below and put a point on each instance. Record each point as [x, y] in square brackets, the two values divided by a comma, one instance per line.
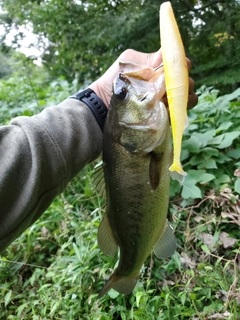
[155, 169]
[106, 241]
[166, 244]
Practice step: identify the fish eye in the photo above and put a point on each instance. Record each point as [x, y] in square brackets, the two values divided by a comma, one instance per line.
[121, 93]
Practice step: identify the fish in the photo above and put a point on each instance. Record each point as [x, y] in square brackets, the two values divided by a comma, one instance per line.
[136, 156]
[177, 85]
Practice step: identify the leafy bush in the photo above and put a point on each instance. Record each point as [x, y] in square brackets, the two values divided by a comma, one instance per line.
[211, 147]
[55, 269]
[29, 90]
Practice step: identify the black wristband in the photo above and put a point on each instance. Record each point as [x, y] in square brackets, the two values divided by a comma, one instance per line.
[94, 103]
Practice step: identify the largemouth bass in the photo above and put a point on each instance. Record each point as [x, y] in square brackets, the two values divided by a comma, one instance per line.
[136, 159]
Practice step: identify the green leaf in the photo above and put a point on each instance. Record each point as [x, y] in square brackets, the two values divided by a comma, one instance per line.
[228, 139]
[193, 296]
[229, 97]
[139, 295]
[206, 177]
[205, 248]
[211, 151]
[54, 307]
[209, 164]
[113, 294]
[196, 159]
[216, 140]
[183, 297]
[192, 145]
[22, 307]
[204, 138]
[77, 251]
[237, 185]
[224, 126]
[8, 298]
[223, 178]
[195, 175]
[190, 190]
[234, 153]
[222, 158]
[184, 154]
[192, 127]
[175, 187]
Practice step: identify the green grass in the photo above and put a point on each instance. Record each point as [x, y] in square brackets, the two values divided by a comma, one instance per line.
[55, 269]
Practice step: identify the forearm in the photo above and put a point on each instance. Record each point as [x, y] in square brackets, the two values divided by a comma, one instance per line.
[39, 155]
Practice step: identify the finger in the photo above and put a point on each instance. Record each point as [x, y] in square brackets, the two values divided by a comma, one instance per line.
[192, 100]
[165, 100]
[192, 97]
[191, 85]
[154, 59]
[145, 59]
[189, 64]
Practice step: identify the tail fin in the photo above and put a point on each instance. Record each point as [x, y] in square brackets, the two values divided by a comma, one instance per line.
[123, 285]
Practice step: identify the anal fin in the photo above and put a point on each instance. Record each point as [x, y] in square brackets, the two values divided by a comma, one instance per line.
[106, 241]
[166, 244]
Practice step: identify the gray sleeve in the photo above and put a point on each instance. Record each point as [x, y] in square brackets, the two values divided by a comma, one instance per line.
[39, 155]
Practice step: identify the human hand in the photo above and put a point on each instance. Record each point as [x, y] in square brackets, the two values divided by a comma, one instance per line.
[103, 86]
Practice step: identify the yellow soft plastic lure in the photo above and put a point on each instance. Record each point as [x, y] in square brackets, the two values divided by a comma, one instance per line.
[176, 78]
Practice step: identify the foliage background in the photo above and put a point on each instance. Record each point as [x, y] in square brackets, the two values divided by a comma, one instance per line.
[55, 269]
[80, 39]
